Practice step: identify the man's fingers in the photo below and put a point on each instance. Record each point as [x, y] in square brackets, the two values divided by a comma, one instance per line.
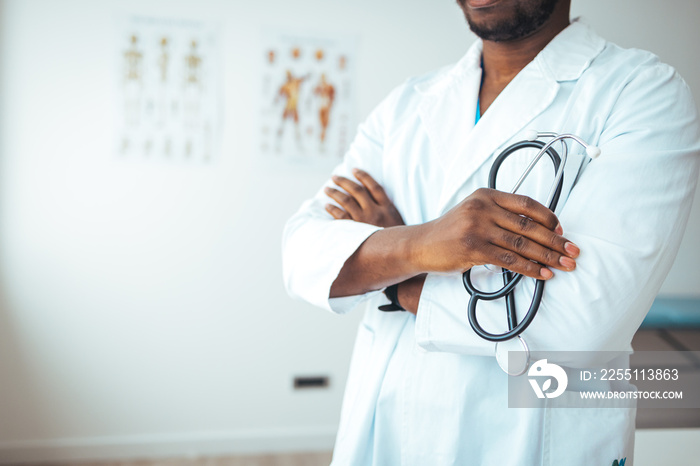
[358, 192]
[346, 201]
[337, 212]
[529, 228]
[526, 206]
[375, 189]
[533, 251]
[516, 263]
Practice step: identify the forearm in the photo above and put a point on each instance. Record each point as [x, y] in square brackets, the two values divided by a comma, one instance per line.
[387, 257]
[469, 234]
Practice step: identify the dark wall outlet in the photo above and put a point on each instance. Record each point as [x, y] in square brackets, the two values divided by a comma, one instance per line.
[304, 382]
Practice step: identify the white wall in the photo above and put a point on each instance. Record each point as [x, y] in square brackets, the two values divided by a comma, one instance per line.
[129, 316]
[129, 324]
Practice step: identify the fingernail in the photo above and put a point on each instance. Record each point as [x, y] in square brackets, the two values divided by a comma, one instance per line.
[572, 249]
[567, 262]
[545, 273]
[357, 171]
[559, 230]
[327, 190]
[335, 177]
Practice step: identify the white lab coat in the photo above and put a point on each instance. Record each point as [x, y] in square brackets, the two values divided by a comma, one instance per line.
[426, 390]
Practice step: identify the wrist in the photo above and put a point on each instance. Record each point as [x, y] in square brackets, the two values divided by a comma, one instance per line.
[391, 292]
[408, 293]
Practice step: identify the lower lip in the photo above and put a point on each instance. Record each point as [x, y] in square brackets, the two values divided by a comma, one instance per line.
[476, 4]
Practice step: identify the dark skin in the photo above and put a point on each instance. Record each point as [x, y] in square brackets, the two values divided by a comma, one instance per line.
[504, 60]
[487, 227]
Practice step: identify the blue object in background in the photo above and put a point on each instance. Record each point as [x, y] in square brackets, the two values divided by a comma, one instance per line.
[673, 313]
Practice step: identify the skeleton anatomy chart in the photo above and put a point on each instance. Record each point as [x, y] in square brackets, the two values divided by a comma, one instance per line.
[306, 92]
[168, 90]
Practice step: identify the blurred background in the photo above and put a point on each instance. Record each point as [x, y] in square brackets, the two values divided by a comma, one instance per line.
[142, 311]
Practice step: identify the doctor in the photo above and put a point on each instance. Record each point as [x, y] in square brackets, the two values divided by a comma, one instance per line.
[407, 208]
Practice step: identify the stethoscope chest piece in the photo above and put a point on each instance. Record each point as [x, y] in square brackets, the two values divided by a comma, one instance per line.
[513, 356]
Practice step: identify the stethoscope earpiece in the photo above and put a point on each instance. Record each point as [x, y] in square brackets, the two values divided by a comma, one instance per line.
[593, 152]
[530, 135]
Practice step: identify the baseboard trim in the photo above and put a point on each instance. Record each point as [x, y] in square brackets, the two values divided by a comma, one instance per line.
[191, 445]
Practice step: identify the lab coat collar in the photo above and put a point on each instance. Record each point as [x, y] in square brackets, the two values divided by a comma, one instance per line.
[463, 69]
[571, 52]
[448, 106]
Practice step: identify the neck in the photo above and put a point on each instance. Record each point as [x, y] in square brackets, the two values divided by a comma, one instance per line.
[502, 61]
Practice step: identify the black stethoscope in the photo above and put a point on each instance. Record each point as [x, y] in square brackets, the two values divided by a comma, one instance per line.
[518, 362]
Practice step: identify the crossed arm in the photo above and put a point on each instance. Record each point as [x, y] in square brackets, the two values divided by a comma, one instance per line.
[628, 212]
[488, 227]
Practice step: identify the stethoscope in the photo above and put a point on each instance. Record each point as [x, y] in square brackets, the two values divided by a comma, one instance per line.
[512, 341]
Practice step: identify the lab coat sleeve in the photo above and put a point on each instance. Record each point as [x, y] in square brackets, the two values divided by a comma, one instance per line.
[315, 246]
[627, 213]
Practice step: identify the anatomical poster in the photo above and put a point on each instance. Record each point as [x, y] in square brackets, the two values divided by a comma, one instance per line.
[306, 95]
[168, 90]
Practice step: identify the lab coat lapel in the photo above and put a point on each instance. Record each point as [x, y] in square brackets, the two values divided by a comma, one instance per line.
[529, 94]
[448, 108]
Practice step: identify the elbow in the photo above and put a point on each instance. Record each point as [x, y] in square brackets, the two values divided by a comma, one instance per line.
[580, 337]
[303, 276]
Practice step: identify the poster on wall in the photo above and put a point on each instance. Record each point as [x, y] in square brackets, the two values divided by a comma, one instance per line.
[168, 90]
[306, 95]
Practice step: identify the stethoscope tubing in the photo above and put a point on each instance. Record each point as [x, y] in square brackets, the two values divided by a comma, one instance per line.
[514, 327]
[510, 279]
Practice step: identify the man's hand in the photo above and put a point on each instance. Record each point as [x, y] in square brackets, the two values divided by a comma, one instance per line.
[492, 227]
[366, 203]
[369, 204]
